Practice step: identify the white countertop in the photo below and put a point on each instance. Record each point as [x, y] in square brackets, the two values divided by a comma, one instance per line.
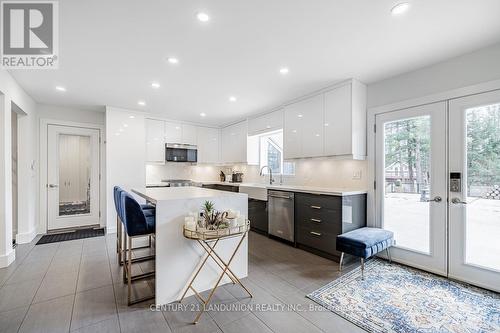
[180, 193]
[294, 188]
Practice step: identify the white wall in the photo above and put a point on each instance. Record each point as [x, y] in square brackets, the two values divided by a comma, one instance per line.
[11, 92]
[472, 68]
[125, 155]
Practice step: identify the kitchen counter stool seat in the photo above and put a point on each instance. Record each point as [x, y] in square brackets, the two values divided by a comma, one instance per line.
[136, 224]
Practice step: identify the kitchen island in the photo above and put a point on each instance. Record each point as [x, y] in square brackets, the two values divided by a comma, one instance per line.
[177, 257]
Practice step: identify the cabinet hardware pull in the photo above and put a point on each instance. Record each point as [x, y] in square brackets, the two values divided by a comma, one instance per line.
[316, 220]
[315, 233]
[316, 207]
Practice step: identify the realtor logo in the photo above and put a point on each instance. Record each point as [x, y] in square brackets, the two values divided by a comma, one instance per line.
[29, 33]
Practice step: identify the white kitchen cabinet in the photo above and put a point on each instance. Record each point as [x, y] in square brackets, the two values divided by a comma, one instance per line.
[173, 132]
[304, 129]
[269, 122]
[155, 141]
[189, 135]
[328, 124]
[208, 145]
[345, 121]
[234, 143]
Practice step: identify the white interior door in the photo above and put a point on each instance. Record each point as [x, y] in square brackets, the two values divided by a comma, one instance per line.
[474, 158]
[411, 184]
[72, 177]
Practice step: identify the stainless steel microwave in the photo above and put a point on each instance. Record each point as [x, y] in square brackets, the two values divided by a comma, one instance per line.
[176, 152]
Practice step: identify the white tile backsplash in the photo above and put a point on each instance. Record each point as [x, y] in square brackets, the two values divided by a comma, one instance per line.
[320, 172]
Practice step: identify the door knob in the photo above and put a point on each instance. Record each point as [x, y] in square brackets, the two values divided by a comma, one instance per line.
[52, 185]
[436, 199]
[458, 201]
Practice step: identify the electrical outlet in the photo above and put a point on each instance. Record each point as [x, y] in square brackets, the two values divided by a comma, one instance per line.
[356, 174]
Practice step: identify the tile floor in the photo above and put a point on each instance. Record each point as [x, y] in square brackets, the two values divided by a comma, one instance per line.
[77, 286]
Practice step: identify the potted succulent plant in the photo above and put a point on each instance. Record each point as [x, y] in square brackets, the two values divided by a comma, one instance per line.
[213, 219]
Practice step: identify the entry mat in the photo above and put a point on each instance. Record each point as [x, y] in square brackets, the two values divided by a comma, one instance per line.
[67, 236]
[396, 298]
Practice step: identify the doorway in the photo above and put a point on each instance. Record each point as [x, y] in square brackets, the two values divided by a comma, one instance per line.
[72, 177]
[438, 186]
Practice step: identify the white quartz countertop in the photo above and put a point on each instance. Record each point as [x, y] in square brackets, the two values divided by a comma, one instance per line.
[181, 193]
[294, 188]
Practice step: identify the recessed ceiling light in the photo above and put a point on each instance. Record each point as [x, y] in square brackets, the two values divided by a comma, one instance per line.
[232, 99]
[125, 125]
[131, 117]
[117, 134]
[203, 17]
[60, 88]
[121, 129]
[155, 85]
[203, 114]
[177, 127]
[284, 70]
[141, 103]
[400, 8]
[316, 134]
[327, 124]
[173, 60]
[300, 116]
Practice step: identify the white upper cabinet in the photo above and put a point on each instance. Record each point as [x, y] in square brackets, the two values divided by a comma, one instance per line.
[155, 141]
[265, 123]
[328, 124]
[345, 121]
[173, 132]
[208, 145]
[234, 143]
[303, 128]
[189, 135]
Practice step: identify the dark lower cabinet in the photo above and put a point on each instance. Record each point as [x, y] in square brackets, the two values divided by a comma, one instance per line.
[257, 214]
[320, 218]
[222, 187]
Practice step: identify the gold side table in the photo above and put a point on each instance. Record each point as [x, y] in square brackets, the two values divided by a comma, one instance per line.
[205, 238]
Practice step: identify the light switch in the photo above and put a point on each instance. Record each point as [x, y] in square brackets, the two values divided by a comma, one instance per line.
[356, 174]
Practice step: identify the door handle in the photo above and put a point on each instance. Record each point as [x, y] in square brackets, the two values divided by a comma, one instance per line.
[457, 201]
[316, 220]
[436, 199]
[315, 233]
[316, 207]
[52, 185]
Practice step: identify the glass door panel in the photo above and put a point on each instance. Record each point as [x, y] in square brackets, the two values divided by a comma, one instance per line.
[411, 171]
[474, 153]
[407, 181]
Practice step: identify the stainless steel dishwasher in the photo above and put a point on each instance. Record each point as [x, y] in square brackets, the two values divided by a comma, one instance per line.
[281, 214]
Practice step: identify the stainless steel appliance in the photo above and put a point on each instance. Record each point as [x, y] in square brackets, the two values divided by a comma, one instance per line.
[178, 182]
[281, 214]
[176, 152]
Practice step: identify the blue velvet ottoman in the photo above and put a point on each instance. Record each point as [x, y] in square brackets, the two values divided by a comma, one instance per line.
[364, 243]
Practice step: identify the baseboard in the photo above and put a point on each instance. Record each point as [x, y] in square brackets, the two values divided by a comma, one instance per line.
[7, 259]
[26, 237]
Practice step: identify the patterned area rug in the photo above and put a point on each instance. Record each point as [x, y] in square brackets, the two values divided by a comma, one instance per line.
[396, 298]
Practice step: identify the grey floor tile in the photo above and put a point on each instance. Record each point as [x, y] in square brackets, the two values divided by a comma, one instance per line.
[11, 320]
[106, 326]
[93, 274]
[51, 316]
[56, 285]
[145, 321]
[93, 306]
[140, 289]
[180, 318]
[17, 295]
[246, 324]
[29, 271]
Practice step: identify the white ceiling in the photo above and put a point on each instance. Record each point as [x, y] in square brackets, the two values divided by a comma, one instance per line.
[111, 51]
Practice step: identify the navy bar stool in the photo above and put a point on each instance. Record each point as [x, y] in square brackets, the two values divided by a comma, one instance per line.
[137, 224]
[149, 210]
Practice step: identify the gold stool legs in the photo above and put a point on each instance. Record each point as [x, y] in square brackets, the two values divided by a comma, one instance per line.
[210, 250]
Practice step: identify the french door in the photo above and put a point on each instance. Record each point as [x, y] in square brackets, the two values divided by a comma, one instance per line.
[411, 184]
[72, 177]
[474, 212]
[438, 186]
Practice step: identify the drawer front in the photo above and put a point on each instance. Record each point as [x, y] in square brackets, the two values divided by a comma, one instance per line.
[317, 239]
[319, 202]
[325, 220]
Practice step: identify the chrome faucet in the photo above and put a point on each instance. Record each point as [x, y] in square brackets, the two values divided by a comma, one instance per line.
[271, 179]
